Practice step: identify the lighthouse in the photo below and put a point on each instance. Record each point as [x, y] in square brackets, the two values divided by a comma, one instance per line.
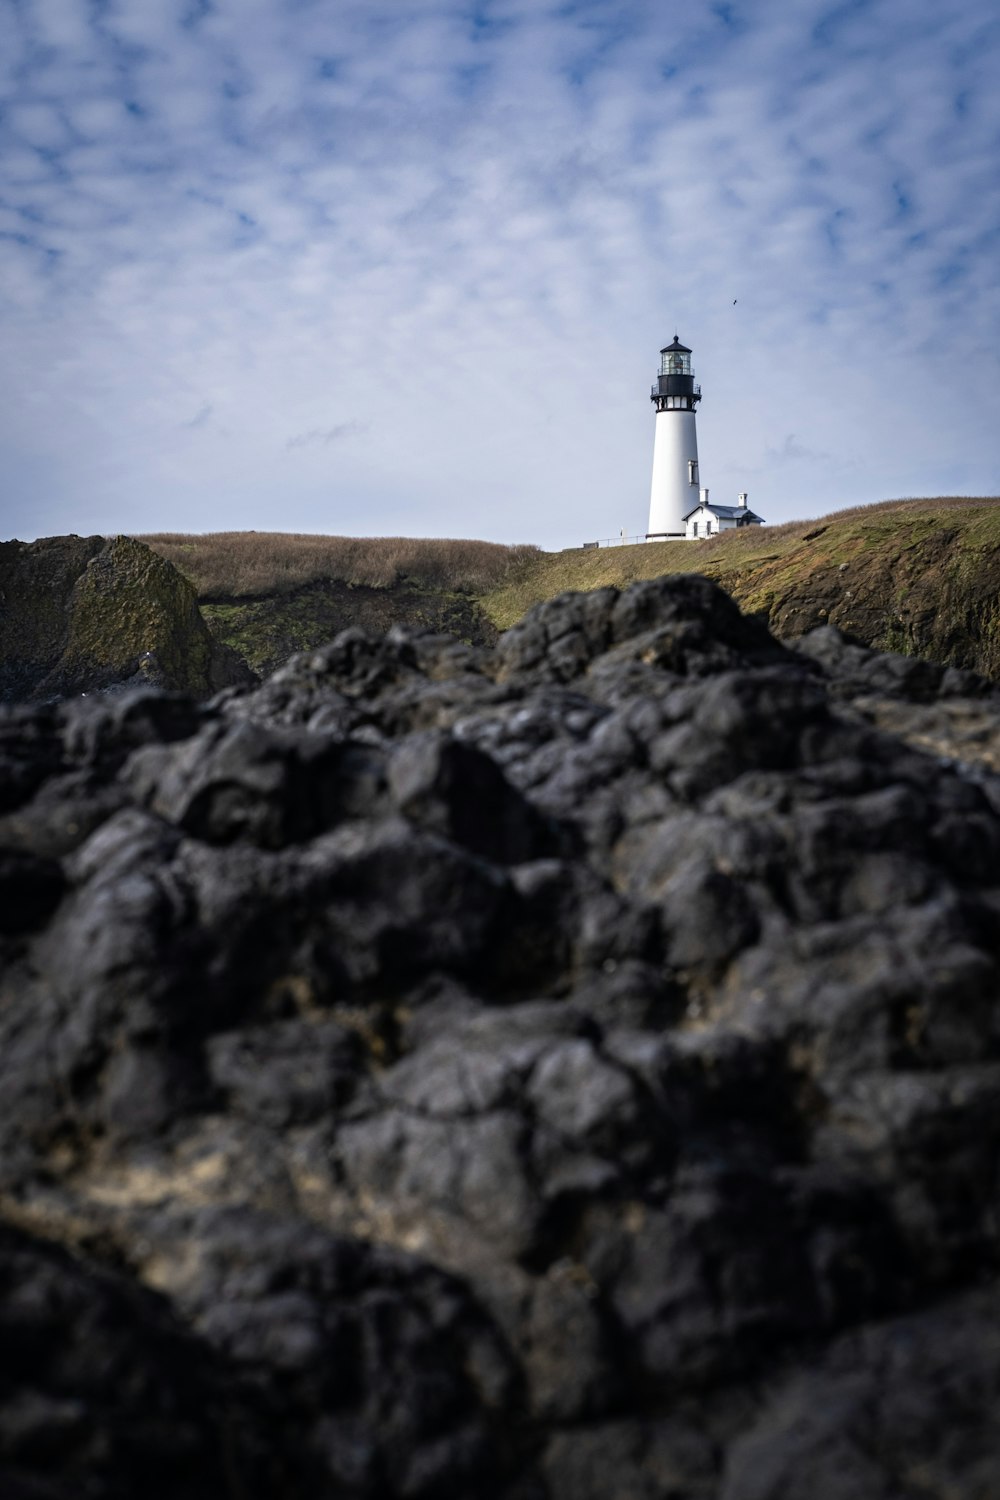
[674, 491]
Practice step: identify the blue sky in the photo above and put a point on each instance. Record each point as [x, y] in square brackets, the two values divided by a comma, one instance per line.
[404, 266]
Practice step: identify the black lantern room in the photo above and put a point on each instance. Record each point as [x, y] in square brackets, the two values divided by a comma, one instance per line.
[675, 389]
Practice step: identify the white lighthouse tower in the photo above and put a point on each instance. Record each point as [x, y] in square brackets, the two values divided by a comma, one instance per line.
[674, 491]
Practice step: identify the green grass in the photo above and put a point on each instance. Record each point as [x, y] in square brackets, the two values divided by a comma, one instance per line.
[761, 563]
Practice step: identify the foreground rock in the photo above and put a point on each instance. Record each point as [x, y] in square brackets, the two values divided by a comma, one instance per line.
[82, 614]
[564, 1071]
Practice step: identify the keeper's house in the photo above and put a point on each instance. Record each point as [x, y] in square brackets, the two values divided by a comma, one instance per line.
[708, 520]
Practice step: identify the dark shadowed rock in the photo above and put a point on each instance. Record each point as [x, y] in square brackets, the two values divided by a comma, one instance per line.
[556, 1073]
[105, 1393]
[856, 1422]
[456, 790]
[681, 623]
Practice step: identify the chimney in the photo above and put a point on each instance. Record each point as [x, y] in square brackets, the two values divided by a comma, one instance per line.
[703, 497]
[741, 499]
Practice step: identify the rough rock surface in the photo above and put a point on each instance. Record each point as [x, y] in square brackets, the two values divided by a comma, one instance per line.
[81, 614]
[561, 1072]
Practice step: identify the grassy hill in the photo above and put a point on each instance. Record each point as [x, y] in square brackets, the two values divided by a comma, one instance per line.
[917, 576]
[921, 577]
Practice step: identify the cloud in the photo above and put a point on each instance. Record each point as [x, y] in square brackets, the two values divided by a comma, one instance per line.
[792, 451]
[472, 226]
[200, 418]
[326, 436]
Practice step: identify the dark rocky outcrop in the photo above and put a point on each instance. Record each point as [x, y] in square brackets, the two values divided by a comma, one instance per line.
[80, 614]
[559, 1072]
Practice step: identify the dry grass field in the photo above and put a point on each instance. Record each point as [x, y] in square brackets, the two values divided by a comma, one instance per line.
[250, 564]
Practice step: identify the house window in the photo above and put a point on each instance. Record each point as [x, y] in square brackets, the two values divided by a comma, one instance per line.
[695, 528]
[692, 471]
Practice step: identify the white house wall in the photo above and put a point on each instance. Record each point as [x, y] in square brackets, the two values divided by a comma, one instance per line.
[717, 524]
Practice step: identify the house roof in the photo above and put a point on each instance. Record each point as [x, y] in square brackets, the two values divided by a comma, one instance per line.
[724, 512]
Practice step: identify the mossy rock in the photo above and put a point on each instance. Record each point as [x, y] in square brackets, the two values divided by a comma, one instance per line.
[83, 614]
[36, 584]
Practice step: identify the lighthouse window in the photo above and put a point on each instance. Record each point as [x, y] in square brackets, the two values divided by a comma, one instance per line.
[692, 471]
[675, 364]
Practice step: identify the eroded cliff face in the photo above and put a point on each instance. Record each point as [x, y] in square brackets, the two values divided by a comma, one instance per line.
[556, 1072]
[79, 614]
[266, 632]
[926, 588]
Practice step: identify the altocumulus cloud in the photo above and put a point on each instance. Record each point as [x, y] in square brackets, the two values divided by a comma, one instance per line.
[234, 234]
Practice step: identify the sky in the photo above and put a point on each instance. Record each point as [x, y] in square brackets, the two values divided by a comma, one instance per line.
[404, 267]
